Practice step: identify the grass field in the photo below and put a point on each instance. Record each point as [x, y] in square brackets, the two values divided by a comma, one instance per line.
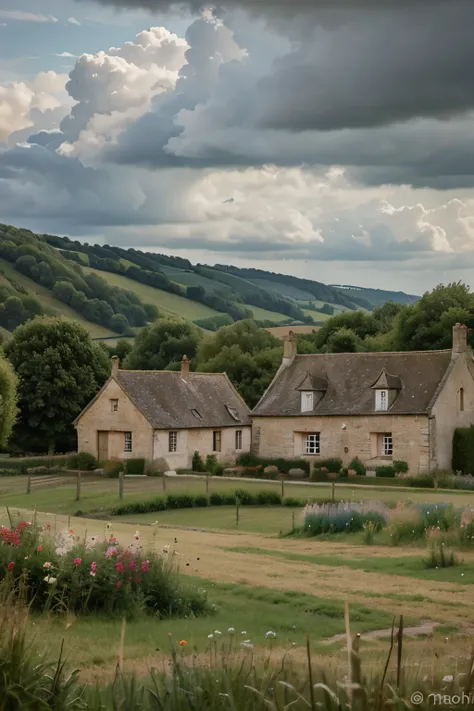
[52, 305]
[189, 278]
[168, 304]
[291, 291]
[316, 315]
[262, 314]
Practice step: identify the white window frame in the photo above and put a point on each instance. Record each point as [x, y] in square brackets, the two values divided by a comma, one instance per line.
[128, 444]
[238, 440]
[381, 400]
[114, 404]
[307, 401]
[312, 443]
[387, 444]
[173, 441]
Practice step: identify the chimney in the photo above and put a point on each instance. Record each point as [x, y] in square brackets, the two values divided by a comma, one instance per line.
[185, 367]
[460, 332]
[115, 365]
[289, 348]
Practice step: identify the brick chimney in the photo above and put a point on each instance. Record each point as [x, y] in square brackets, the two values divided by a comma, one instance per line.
[289, 348]
[185, 367]
[115, 365]
[460, 332]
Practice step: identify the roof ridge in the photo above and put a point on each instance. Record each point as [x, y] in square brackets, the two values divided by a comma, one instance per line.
[374, 353]
[175, 372]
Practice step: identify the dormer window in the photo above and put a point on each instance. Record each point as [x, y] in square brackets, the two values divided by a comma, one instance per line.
[307, 401]
[381, 400]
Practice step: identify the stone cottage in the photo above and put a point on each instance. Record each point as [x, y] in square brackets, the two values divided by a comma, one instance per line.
[379, 407]
[164, 417]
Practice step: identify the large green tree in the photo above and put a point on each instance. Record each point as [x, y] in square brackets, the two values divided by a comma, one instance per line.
[244, 334]
[59, 369]
[163, 344]
[8, 400]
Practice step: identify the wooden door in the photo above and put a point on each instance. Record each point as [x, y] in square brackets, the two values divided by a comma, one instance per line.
[103, 446]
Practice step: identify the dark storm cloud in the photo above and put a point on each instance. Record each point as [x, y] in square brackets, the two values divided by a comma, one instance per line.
[264, 6]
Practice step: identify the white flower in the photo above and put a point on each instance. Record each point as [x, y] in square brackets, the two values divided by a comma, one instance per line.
[49, 579]
[270, 635]
[217, 633]
[247, 644]
[231, 630]
[448, 677]
[244, 632]
[210, 636]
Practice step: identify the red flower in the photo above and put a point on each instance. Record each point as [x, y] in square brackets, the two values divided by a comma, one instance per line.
[39, 549]
[138, 581]
[11, 565]
[118, 584]
[119, 567]
[77, 561]
[22, 525]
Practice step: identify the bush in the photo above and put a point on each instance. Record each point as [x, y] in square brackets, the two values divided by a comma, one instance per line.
[422, 481]
[135, 466]
[400, 466]
[212, 465]
[463, 450]
[197, 463]
[82, 461]
[24, 463]
[359, 468]
[385, 470]
[333, 465]
[439, 516]
[63, 573]
[179, 501]
[201, 501]
[268, 498]
[283, 465]
[112, 468]
[341, 522]
[292, 502]
[440, 556]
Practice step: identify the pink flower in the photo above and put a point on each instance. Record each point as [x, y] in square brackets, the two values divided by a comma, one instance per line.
[111, 550]
[93, 569]
[47, 564]
[77, 561]
[132, 564]
[39, 549]
[92, 573]
[119, 567]
[138, 581]
[145, 566]
[11, 565]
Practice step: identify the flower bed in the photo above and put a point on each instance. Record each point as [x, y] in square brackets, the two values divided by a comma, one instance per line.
[65, 573]
[343, 517]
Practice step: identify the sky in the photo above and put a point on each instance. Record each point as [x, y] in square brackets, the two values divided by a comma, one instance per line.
[329, 139]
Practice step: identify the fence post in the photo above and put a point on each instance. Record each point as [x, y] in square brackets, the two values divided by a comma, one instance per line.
[207, 483]
[120, 485]
[237, 504]
[78, 486]
[333, 494]
[282, 488]
[163, 481]
[292, 521]
[28, 485]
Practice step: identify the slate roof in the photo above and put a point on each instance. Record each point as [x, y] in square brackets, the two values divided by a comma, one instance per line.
[350, 377]
[168, 400]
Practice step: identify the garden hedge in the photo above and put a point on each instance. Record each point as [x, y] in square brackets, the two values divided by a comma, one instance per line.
[283, 465]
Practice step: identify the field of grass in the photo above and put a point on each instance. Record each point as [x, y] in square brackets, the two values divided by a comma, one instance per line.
[316, 315]
[262, 314]
[52, 305]
[189, 278]
[167, 304]
[291, 291]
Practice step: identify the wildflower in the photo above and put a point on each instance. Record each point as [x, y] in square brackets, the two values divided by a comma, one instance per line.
[118, 584]
[217, 633]
[247, 644]
[111, 550]
[93, 569]
[119, 567]
[183, 643]
[50, 580]
[231, 630]
[47, 564]
[132, 565]
[27, 557]
[39, 549]
[270, 635]
[137, 536]
[448, 678]
[244, 632]
[112, 539]
[210, 636]
[145, 566]
[77, 561]
[11, 565]
[138, 581]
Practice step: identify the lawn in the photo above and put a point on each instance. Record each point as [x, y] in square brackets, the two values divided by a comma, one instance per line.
[168, 304]
[52, 305]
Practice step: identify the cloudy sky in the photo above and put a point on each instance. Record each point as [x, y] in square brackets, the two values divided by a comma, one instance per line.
[331, 139]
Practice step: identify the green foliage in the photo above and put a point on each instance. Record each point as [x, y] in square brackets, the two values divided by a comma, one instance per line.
[197, 463]
[135, 466]
[421, 481]
[214, 323]
[119, 323]
[283, 465]
[83, 461]
[8, 400]
[400, 466]
[359, 468]
[343, 340]
[113, 467]
[440, 556]
[358, 323]
[213, 466]
[60, 370]
[121, 349]
[24, 463]
[335, 520]
[463, 450]
[333, 464]
[162, 343]
[385, 470]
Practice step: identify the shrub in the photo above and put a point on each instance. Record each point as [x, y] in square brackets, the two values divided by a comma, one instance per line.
[422, 481]
[440, 556]
[246, 498]
[385, 470]
[24, 463]
[112, 468]
[268, 498]
[212, 465]
[83, 461]
[359, 468]
[370, 529]
[179, 501]
[283, 465]
[342, 517]
[292, 502]
[405, 524]
[201, 501]
[440, 516]
[400, 466]
[463, 450]
[135, 466]
[63, 573]
[197, 463]
[332, 465]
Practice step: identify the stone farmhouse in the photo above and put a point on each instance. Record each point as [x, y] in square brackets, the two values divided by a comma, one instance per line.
[164, 417]
[376, 406]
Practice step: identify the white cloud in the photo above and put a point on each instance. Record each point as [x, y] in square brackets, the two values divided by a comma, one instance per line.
[17, 16]
[73, 21]
[65, 54]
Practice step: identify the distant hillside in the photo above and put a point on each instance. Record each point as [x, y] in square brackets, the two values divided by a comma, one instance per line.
[114, 291]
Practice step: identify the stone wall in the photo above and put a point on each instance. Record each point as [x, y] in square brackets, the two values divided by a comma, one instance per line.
[200, 440]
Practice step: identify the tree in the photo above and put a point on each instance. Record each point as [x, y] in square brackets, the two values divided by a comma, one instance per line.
[12, 313]
[64, 291]
[25, 264]
[245, 334]
[8, 400]
[359, 322]
[151, 311]
[343, 341]
[60, 369]
[119, 323]
[162, 343]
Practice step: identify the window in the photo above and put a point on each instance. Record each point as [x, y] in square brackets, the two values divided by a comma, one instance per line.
[381, 399]
[238, 439]
[312, 443]
[216, 441]
[128, 441]
[172, 441]
[196, 414]
[307, 402]
[233, 413]
[114, 405]
[387, 445]
[461, 399]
